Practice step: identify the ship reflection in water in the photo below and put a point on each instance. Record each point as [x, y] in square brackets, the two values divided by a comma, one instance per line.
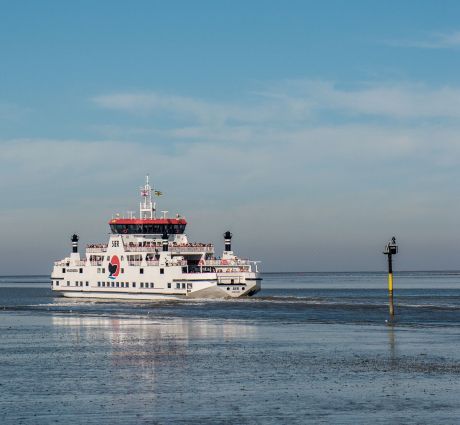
[149, 343]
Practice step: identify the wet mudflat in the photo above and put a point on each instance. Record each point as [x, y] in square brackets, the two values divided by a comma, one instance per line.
[304, 351]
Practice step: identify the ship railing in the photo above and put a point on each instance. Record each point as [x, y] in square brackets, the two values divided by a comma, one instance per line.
[142, 248]
[91, 248]
[227, 263]
[176, 249]
[181, 249]
[61, 263]
[234, 269]
[80, 263]
[135, 263]
[136, 248]
[96, 263]
[169, 263]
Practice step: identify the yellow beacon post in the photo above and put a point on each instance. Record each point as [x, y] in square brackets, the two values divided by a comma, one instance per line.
[391, 249]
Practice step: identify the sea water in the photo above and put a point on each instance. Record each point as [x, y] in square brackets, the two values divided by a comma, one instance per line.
[309, 348]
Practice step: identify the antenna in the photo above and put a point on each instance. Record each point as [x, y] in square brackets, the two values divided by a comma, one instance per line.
[146, 207]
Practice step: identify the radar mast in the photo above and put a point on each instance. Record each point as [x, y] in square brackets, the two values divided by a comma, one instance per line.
[147, 207]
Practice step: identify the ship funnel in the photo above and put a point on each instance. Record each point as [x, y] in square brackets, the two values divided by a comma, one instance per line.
[74, 239]
[228, 240]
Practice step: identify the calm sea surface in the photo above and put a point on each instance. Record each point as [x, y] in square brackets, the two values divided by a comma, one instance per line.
[309, 348]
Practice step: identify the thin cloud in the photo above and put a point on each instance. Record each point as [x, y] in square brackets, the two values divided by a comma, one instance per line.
[289, 104]
[437, 40]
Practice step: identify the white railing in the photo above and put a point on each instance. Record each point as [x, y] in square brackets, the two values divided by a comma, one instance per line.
[102, 248]
[226, 263]
[68, 263]
[176, 249]
[96, 263]
[180, 249]
[234, 269]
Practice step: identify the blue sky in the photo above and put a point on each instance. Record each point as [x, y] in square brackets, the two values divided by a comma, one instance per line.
[314, 130]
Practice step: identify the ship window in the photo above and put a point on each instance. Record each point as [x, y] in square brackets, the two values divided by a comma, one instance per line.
[184, 269]
[103, 270]
[98, 269]
[63, 270]
[134, 284]
[228, 288]
[112, 284]
[122, 270]
[87, 283]
[98, 283]
[162, 271]
[118, 284]
[122, 284]
[142, 284]
[151, 285]
[232, 280]
[177, 285]
[169, 285]
[243, 288]
[103, 284]
[189, 285]
[81, 270]
[122, 258]
[108, 258]
[68, 283]
[183, 286]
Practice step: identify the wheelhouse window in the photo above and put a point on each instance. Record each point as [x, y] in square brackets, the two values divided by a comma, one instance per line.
[148, 229]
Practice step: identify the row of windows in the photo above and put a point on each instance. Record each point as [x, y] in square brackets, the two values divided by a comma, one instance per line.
[126, 284]
[80, 270]
[77, 283]
[147, 228]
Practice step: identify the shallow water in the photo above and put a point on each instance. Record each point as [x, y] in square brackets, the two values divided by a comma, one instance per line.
[309, 348]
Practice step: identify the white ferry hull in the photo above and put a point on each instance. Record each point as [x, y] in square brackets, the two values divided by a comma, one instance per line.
[210, 292]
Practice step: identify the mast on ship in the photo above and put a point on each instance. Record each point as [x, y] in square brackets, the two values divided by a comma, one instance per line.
[147, 207]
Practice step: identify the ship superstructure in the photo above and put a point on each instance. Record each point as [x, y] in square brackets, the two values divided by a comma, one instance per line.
[151, 258]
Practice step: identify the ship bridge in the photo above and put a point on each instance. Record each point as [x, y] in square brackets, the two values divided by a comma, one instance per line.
[148, 223]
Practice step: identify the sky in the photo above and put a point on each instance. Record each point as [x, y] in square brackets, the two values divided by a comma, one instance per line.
[314, 131]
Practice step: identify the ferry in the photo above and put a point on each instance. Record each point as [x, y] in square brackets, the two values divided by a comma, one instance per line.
[150, 258]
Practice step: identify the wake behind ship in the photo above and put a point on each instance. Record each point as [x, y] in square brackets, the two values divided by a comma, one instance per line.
[151, 258]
